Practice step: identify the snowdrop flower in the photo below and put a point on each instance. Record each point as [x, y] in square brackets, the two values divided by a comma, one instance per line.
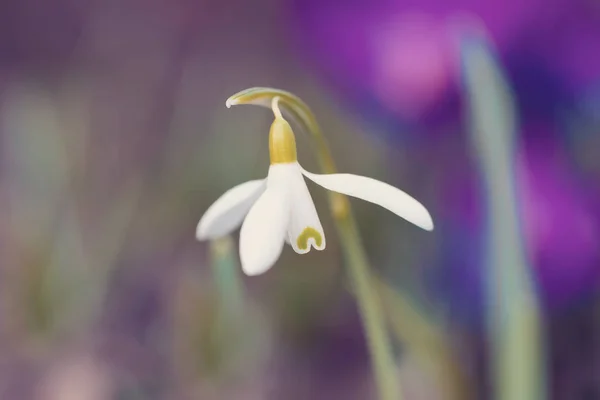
[279, 209]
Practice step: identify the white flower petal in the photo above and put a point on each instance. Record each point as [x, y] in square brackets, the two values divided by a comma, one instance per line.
[374, 191]
[304, 228]
[228, 212]
[264, 229]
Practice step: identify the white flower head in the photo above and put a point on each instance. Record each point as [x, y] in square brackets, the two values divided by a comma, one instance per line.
[279, 208]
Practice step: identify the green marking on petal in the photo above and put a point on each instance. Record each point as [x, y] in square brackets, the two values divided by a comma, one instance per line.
[307, 233]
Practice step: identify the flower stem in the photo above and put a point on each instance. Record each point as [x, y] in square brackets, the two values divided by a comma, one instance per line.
[384, 366]
[514, 314]
[424, 339]
[227, 277]
[380, 348]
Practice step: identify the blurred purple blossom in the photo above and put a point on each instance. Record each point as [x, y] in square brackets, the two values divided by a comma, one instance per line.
[400, 57]
[560, 219]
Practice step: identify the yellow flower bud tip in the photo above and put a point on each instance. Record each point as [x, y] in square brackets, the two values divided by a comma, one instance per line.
[282, 142]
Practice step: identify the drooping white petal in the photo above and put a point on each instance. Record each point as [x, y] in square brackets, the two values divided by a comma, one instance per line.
[264, 229]
[304, 228]
[374, 191]
[228, 212]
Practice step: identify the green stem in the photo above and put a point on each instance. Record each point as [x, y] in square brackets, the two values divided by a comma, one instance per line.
[514, 315]
[426, 341]
[380, 348]
[384, 366]
[227, 276]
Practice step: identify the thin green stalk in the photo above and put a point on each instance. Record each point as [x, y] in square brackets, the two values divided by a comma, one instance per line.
[370, 309]
[425, 340]
[380, 348]
[227, 276]
[514, 317]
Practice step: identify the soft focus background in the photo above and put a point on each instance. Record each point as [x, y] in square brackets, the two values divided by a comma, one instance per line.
[114, 139]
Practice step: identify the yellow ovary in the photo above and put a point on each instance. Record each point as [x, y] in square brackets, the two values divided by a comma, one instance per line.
[282, 142]
[307, 233]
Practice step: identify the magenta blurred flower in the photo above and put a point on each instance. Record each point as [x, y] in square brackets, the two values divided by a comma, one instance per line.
[403, 55]
[560, 222]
